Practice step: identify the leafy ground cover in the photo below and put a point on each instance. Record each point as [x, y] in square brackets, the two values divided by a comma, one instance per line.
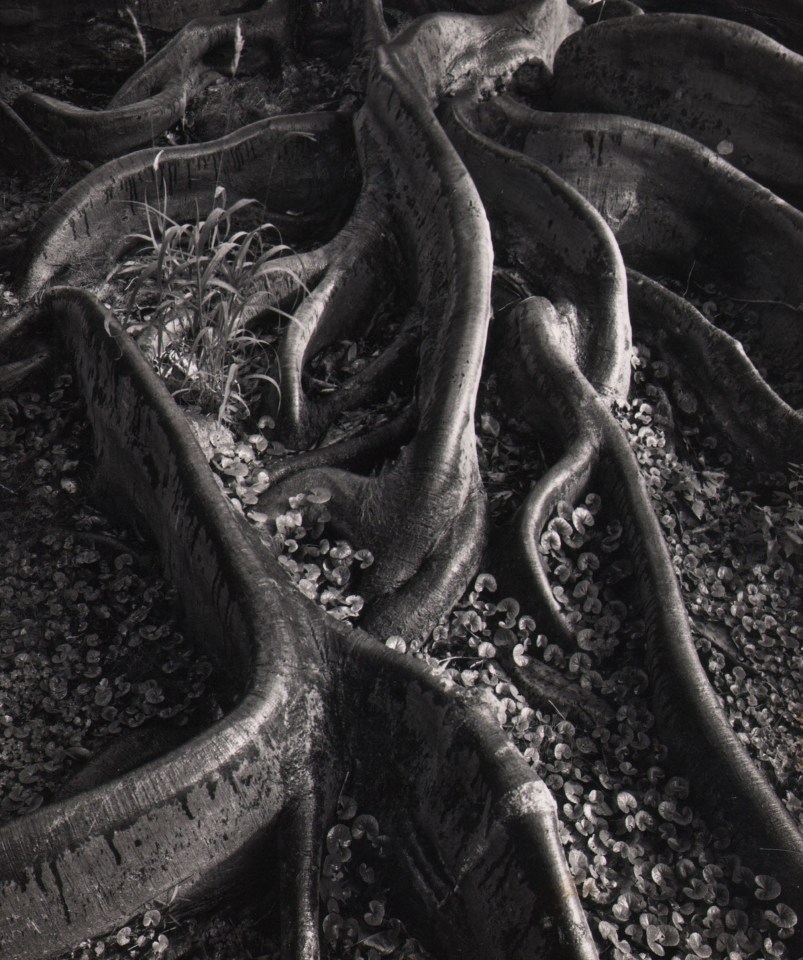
[89, 642]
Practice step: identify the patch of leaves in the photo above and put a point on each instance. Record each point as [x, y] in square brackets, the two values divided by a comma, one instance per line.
[655, 878]
[591, 572]
[508, 460]
[89, 647]
[325, 570]
[335, 364]
[356, 889]
[144, 936]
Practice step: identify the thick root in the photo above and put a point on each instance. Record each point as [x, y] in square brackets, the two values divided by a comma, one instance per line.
[21, 148]
[447, 737]
[13, 374]
[360, 454]
[732, 94]
[156, 96]
[557, 242]
[76, 867]
[562, 248]
[355, 281]
[89, 226]
[676, 208]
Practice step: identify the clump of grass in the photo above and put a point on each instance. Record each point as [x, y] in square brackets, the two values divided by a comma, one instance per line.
[190, 287]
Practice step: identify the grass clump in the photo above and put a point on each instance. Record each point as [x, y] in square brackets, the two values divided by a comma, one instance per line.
[193, 289]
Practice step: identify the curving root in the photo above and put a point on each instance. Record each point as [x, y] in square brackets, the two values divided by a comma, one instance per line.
[157, 95]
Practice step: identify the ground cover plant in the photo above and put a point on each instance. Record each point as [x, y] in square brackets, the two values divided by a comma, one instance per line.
[459, 412]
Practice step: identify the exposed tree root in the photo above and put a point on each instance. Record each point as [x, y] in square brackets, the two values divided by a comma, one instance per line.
[517, 549]
[742, 405]
[360, 453]
[17, 371]
[20, 147]
[542, 684]
[552, 236]
[189, 46]
[445, 235]
[90, 224]
[459, 186]
[694, 723]
[253, 771]
[157, 95]
[730, 97]
[346, 297]
[676, 208]
[287, 280]
[660, 230]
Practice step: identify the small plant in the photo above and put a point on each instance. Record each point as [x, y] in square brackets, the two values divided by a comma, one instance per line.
[192, 292]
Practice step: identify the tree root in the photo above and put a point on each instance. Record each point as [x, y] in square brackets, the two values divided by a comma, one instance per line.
[742, 405]
[675, 208]
[693, 721]
[440, 224]
[731, 97]
[156, 96]
[346, 297]
[90, 224]
[255, 770]
[21, 148]
[439, 227]
[289, 278]
[360, 453]
[13, 374]
[552, 236]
